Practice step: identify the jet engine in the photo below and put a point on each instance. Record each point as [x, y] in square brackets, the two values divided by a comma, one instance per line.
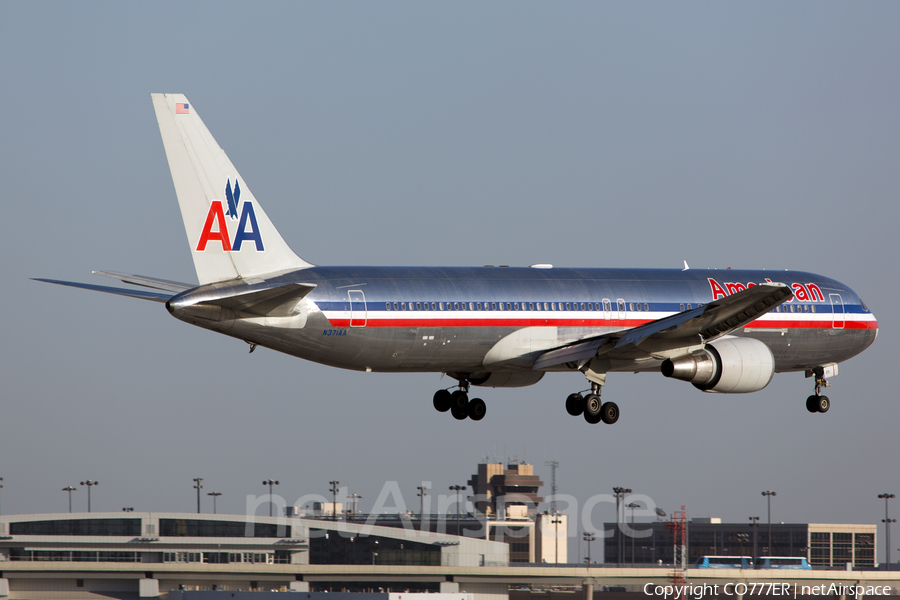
[728, 365]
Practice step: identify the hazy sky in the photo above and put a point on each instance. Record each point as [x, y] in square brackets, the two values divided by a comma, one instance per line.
[637, 134]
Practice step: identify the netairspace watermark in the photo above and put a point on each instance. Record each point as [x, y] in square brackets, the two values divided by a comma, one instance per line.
[442, 509]
[698, 592]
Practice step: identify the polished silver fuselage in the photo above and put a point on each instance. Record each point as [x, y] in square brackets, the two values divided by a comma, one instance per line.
[475, 320]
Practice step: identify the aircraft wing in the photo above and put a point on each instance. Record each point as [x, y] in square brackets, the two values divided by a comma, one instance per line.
[688, 328]
[143, 295]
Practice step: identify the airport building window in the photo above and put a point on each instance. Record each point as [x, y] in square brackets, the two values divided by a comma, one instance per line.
[77, 527]
[19, 554]
[204, 528]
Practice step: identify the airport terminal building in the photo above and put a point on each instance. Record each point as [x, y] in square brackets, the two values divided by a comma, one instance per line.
[823, 545]
[147, 554]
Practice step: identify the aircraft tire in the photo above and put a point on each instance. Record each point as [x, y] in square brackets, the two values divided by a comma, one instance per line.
[824, 404]
[609, 413]
[459, 413]
[592, 405]
[442, 400]
[476, 409]
[459, 399]
[812, 404]
[575, 404]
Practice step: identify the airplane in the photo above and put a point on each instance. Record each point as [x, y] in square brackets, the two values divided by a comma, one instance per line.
[724, 331]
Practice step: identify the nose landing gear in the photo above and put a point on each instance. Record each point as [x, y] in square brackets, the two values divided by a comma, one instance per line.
[458, 403]
[818, 403]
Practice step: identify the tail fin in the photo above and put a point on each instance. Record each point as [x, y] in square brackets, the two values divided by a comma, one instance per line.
[230, 235]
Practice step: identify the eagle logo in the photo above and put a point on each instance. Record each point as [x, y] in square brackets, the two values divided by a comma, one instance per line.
[233, 199]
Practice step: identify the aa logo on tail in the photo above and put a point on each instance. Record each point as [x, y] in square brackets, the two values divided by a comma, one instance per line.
[216, 226]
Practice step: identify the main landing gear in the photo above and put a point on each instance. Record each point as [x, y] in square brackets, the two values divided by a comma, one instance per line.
[458, 403]
[818, 403]
[592, 407]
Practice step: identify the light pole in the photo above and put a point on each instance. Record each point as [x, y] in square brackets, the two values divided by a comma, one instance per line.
[353, 498]
[620, 495]
[422, 493]
[556, 521]
[887, 529]
[270, 483]
[768, 494]
[334, 491]
[127, 509]
[214, 496]
[198, 485]
[589, 536]
[1, 487]
[89, 485]
[458, 489]
[69, 489]
[632, 506]
[754, 523]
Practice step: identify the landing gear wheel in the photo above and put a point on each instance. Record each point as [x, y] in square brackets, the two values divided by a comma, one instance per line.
[442, 400]
[575, 404]
[459, 399]
[609, 413]
[812, 404]
[592, 405]
[823, 404]
[459, 413]
[476, 409]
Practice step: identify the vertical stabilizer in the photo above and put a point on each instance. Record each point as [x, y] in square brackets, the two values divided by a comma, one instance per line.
[230, 235]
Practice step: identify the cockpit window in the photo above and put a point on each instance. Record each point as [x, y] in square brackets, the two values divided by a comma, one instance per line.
[863, 305]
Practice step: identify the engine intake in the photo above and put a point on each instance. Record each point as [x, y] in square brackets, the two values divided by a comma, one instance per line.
[728, 366]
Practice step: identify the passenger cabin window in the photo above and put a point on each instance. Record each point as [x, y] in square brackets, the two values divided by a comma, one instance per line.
[418, 306]
[493, 306]
[403, 306]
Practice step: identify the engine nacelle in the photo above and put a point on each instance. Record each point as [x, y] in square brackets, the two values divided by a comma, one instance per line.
[729, 366]
[506, 378]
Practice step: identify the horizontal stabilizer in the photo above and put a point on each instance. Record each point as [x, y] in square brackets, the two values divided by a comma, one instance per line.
[274, 302]
[175, 287]
[143, 295]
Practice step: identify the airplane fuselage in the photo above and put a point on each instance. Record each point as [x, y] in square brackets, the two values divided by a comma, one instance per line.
[479, 320]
